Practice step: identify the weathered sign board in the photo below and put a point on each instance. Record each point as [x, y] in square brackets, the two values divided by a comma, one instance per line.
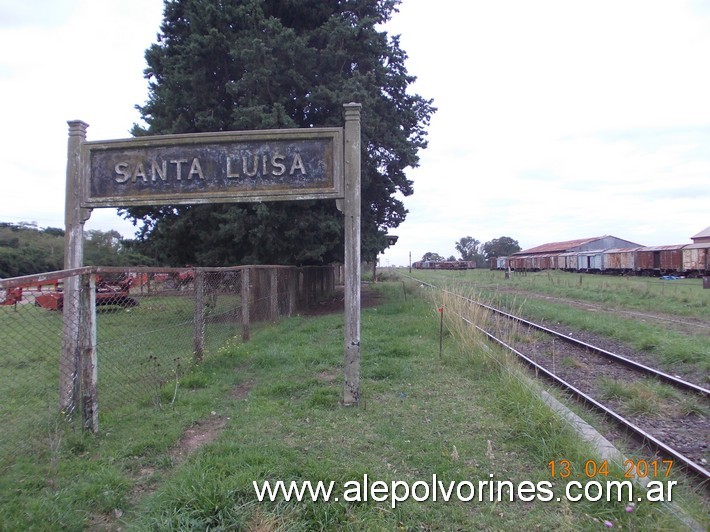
[222, 167]
[214, 167]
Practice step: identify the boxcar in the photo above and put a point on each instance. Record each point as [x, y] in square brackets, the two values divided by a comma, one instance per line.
[696, 259]
[567, 261]
[590, 261]
[538, 262]
[659, 260]
[619, 260]
[551, 261]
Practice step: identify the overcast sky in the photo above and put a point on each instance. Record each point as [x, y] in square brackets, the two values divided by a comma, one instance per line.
[556, 120]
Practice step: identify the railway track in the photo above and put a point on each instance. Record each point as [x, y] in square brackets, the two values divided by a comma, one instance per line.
[591, 362]
[637, 366]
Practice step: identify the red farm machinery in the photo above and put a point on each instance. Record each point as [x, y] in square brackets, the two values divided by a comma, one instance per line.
[50, 295]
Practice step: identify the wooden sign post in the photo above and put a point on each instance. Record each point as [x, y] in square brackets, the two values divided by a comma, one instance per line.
[224, 167]
[351, 395]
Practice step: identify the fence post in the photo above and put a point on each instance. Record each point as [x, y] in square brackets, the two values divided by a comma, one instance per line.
[274, 299]
[300, 283]
[292, 286]
[199, 318]
[89, 366]
[312, 285]
[246, 295]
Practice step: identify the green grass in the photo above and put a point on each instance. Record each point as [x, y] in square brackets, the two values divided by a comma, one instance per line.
[462, 417]
[650, 397]
[660, 340]
[684, 297]
[667, 346]
[140, 350]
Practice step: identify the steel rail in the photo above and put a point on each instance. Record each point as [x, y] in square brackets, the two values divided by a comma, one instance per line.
[665, 377]
[658, 444]
[645, 436]
[675, 381]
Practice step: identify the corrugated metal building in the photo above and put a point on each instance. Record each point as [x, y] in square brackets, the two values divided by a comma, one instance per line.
[702, 237]
[584, 254]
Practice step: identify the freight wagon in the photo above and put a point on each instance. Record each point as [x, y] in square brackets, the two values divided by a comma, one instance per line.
[690, 260]
[444, 265]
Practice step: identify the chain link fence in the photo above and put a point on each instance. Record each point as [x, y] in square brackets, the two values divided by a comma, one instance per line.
[97, 340]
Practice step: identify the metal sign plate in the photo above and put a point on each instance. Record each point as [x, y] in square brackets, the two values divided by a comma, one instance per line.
[229, 167]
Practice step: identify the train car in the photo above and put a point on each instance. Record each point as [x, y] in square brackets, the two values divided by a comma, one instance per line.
[692, 260]
[494, 263]
[696, 259]
[567, 261]
[538, 262]
[553, 261]
[443, 265]
[590, 261]
[619, 261]
[524, 263]
[451, 265]
[659, 260]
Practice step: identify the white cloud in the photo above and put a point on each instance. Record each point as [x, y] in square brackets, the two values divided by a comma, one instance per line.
[568, 120]
[86, 64]
[557, 119]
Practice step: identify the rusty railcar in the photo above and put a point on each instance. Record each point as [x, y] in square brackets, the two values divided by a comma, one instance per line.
[696, 259]
[547, 261]
[538, 262]
[659, 260]
[444, 265]
[523, 263]
[619, 261]
[567, 261]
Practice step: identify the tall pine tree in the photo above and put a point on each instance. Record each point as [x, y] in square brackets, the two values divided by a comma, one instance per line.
[221, 65]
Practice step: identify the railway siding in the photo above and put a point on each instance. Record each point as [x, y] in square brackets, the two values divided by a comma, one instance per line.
[677, 422]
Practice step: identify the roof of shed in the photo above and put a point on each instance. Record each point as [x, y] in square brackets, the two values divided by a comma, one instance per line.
[667, 247]
[623, 250]
[559, 246]
[702, 234]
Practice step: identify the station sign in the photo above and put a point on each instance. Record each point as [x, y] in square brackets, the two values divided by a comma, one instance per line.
[229, 167]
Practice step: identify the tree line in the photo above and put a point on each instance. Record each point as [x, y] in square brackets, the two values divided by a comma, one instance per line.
[471, 249]
[26, 249]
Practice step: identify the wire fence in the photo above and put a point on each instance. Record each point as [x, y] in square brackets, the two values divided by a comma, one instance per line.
[97, 340]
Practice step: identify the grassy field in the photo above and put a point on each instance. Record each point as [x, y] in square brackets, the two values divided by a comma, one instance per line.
[622, 308]
[139, 349]
[684, 297]
[269, 410]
